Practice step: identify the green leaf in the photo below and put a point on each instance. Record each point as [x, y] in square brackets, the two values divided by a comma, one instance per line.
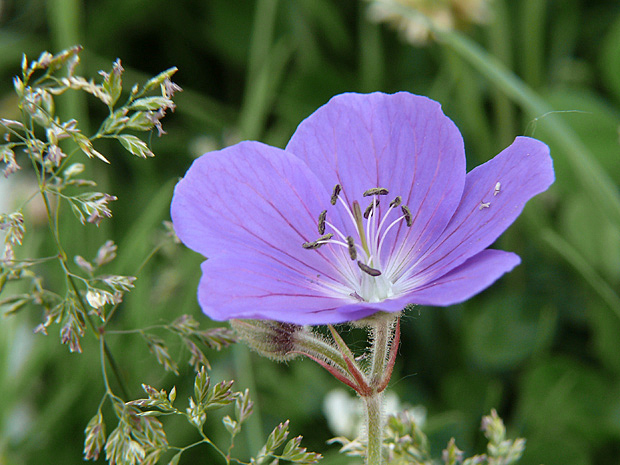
[150, 103]
[116, 122]
[231, 425]
[135, 146]
[277, 437]
[243, 406]
[161, 77]
[201, 385]
[220, 395]
[112, 83]
[95, 437]
[158, 348]
[176, 458]
[86, 146]
[295, 453]
[139, 121]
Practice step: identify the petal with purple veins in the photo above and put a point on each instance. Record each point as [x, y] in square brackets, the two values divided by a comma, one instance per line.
[250, 207]
[495, 194]
[401, 142]
[248, 198]
[466, 280]
[254, 287]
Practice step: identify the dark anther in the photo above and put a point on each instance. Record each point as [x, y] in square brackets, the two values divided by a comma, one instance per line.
[322, 222]
[352, 249]
[376, 191]
[396, 202]
[407, 214]
[335, 194]
[369, 208]
[318, 243]
[366, 269]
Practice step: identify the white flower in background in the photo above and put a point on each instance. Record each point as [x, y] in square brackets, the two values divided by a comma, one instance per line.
[344, 412]
[445, 14]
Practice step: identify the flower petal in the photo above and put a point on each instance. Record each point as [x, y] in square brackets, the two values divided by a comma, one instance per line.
[249, 208]
[495, 194]
[248, 287]
[247, 198]
[467, 280]
[401, 142]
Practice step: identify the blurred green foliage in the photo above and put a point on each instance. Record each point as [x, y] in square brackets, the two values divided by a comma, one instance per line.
[542, 346]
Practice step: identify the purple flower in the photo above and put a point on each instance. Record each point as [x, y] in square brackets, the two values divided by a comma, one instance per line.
[369, 208]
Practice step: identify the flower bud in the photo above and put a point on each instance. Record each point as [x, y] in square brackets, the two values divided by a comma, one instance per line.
[271, 339]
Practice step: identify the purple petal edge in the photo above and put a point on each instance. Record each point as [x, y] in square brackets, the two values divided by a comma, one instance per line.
[466, 280]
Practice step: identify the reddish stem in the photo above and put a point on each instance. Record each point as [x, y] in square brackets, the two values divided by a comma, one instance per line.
[335, 373]
[364, 388]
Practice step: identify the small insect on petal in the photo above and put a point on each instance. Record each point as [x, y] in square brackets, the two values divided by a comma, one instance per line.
[335, 194]
[367, 269]
[407, 214]
[356, 296]
[498, 186]
[322, 217]
[484, 205]
[376, 191]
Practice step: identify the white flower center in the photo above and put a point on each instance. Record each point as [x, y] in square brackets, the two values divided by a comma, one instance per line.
[360, 273]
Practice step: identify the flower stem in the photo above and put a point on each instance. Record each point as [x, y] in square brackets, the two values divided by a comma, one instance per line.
[380, 348]
[382, 338]
[374, 428]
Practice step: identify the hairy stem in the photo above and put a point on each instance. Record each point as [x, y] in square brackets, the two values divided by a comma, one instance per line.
[380, 348]
[381, 334]
[374, 428]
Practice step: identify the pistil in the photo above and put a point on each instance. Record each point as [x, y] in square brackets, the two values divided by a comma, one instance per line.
[359, 223]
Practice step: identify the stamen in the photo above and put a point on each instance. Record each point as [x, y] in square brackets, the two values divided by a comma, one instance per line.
[366, 269]
[322, 217]
[335, 194]
[370, 208]
[363, 247]
[318, 243]
[352, 249]
[407, 214]
[376, 191]
[396, 202]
